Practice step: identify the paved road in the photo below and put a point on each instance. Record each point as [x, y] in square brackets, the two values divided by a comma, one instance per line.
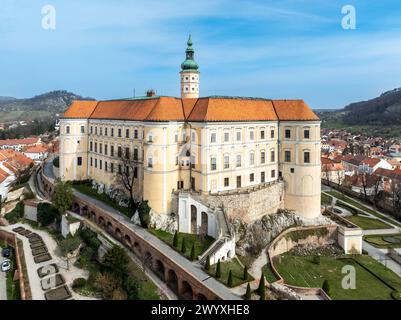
[3, 285]
[380, 255]
[381, 231]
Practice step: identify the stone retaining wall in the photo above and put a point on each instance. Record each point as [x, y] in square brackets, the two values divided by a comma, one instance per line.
[12, 241]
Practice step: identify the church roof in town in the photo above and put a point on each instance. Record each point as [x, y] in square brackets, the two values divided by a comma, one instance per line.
[205, 109]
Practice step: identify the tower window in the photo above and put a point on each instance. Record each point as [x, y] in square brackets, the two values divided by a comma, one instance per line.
[82, 129]
[186, 78]
[287, 133]
[79, 161]
[252, 177]
[262, 177]
[306, 134]
[306, 157]
[67, 129]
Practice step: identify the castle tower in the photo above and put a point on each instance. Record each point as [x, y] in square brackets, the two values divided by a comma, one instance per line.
[189, 74]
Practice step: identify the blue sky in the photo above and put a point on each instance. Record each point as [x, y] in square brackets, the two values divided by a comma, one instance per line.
[273, 49]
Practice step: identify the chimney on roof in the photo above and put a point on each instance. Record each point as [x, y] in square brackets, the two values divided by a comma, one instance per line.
[150, 93]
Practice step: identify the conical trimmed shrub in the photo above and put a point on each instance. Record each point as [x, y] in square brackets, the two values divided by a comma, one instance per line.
[262, 288]
[218, 270]
[175, 240]
[193, 255]
[248, 292]
[230, 279]
[207, 265]
[245, 276]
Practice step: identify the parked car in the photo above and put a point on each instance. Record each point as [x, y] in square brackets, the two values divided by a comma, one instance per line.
[6, 265]
[6, 252]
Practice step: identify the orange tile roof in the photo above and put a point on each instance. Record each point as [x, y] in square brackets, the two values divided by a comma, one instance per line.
[80, 109]
[36, 149]
[14, 160]
[232, 109]
[13, 142]
[293, 110]
[3, 175]
[202, 109]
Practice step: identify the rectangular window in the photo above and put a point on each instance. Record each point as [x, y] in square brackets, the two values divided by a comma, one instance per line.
[193, 136]
[272, 134]
[127, 133]
[112, 132]
[82, 129]
[226, 162]
[272, 156]
[91, 161]
[127, 153]
[67, 129]
[112, 167]
[252, 177]
[213, 164]
[306, 134]
[238, 181]
[91, 146]
[150, 162]
[95, 146]
[262, 157]
[238, 135]
[100, 164]
[135, 172]
[213, 138]
[287, 157]
[119, 152]
[262, 177]
[176, 141]
[95, 163]
[105, 149]
[112, 151]
[100, 148]
[262, 134]
[226, 136]
[105, 131]
[79, 161]
[135, 154]
[101, 131]
[306, 157]
[238, 160]
[119, 133]
[120, 171]
[251, 135]
[226, 182]
[95, 130]
[136, 134]
[91, 130]
[105, 166]
[273, 173]
[287, 133]
[252, 159]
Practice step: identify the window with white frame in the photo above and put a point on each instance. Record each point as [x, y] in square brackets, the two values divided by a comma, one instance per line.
[252, 158]
[238, 135]
[150, 162]
[251, 135]
[262, 157]
[213, 137]
[226, 136]
[213, 163]
[226, 161]
[238, 162]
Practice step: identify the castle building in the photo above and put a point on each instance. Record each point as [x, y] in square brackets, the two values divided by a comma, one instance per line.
[211, 145]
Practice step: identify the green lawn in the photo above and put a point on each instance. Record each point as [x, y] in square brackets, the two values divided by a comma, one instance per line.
[325, 199]
[301, 271]
[201, 243]
[86, 188]
[269, 274]
[367, 223]
[381, 241]
[237, 271]
[356, 204]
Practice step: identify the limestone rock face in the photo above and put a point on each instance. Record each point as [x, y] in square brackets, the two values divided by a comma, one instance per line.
[284, 292]
[254, 237]
[164, 222]
[135, 218]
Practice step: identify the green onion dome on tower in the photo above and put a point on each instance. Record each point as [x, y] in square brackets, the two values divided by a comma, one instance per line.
[189, 63]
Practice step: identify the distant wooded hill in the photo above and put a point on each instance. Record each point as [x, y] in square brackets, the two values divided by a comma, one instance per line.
[46, 105]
